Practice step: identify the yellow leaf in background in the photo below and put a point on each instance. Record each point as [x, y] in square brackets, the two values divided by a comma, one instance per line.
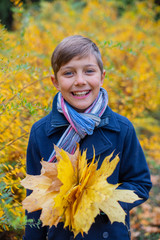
[73, 191]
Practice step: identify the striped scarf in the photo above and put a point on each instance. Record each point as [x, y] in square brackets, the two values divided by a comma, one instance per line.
[81, 124]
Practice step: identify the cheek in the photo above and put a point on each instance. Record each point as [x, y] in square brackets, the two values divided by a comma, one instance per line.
[65, 87]
[63, 83]
[96, 83]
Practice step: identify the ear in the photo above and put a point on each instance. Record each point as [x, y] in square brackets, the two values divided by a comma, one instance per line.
[103, 77]
[55, 82]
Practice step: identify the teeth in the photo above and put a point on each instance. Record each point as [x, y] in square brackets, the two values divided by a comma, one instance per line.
[80, 93]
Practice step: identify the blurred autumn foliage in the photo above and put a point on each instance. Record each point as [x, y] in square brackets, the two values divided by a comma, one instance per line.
[129, 43]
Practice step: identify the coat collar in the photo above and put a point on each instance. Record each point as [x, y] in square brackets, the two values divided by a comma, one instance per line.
[57, 120]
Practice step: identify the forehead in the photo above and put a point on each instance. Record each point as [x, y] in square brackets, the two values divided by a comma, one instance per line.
[81, 60]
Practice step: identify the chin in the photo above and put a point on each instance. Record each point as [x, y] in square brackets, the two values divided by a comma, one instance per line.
[78, 109]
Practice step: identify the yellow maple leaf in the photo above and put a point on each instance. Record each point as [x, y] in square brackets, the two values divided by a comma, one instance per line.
[45, 187]
[74, 191]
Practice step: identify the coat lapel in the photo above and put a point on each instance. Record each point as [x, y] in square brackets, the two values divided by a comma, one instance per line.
[97, 142]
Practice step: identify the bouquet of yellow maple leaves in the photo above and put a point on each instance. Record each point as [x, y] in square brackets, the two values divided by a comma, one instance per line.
[73, 191]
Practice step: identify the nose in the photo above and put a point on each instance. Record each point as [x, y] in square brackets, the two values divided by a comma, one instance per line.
[80, 79]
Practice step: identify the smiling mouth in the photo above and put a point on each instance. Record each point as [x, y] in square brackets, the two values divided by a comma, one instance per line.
[81, 94]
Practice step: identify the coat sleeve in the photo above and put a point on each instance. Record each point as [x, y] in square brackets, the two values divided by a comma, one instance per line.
[33, 231]
[134, 171]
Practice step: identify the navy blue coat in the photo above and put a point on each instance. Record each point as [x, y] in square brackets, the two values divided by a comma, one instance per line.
[115, 132]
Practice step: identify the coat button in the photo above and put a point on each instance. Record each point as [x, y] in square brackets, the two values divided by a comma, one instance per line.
[105, 235]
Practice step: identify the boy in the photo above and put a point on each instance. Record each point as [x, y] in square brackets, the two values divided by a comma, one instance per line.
[81, 114]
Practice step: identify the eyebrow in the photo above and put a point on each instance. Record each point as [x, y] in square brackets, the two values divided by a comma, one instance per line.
[87, 65]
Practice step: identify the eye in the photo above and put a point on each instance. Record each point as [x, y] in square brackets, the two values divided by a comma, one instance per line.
[90, 71]
[68, 74]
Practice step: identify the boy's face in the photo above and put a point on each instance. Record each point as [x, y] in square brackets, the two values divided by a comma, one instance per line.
[79, 81]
